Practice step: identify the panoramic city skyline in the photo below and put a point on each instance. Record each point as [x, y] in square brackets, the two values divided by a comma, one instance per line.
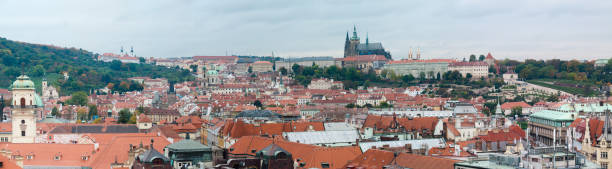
[450, 29]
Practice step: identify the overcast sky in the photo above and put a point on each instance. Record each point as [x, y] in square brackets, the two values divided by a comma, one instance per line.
[514, 29]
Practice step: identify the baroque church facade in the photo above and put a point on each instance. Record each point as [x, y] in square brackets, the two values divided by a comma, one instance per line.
[354, 47]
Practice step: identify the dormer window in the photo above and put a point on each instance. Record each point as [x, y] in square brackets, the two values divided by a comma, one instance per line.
[30, 157]
[57, 157]
[85, 158]
[324, 165]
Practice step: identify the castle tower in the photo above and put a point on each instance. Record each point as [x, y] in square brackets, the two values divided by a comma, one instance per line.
[410, 54]
[350, 45]
[25, 101]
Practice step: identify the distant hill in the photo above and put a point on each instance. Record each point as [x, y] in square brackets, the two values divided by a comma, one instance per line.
[86, 73]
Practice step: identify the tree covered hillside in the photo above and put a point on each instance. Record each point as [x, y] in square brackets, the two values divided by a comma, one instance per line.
[85, 71]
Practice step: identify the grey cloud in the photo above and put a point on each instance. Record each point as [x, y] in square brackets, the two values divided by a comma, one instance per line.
[449, 29]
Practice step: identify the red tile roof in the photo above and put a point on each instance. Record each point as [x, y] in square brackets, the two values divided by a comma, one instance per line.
[44, 154]
[142, 118]
[422, 61]
[6, 163]
[468, 64]
[515, 133]
[262, 62]
[510, 105]
[384, 122]
[423, 162]
[373, 158]
[376, 159]
[311, 155]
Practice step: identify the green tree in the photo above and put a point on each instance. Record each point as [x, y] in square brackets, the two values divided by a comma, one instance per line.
[258, 104]
[407, 78]
[518, 110]
[296, 69]
[283, 71]
[491, 107]
[194, 68]
[384, 105]
[422, 77]
[481, 58]
[142, 60]
[93, 110]
[350, 105]
[472, 58]
[55, 112]
[250, 69]
[37, 71]
[132, 119]
[140, 109]
[124, 116]
[468, 76]
[116, 65]
[78, 98]
[552, 98]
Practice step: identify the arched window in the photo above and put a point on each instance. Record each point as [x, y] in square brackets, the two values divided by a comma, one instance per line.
[23, 102]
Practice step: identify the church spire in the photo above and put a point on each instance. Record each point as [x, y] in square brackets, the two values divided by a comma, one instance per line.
[347, 38]
[367, 38]
[355, 37]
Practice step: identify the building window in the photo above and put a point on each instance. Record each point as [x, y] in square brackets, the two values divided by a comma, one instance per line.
[324, 165]
[604, 164]
[57, 157]
[29, 157]
[604, 155]
[22, 133]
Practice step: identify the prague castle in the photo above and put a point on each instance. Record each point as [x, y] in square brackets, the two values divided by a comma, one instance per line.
[354, 47]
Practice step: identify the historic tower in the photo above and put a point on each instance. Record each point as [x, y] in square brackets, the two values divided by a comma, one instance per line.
[23, 117]
[350, 45]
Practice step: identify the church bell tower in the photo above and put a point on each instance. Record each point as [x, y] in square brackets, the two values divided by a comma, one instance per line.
[350, 45]
[25, 101]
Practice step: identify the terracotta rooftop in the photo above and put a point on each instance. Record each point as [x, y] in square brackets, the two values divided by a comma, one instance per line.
[422, 61]
[313, 156]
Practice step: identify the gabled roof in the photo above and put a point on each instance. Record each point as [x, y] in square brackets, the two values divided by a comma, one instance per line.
[423, 162]
[152, 154]
[142, 118]
[374, 159]
[6, 163]
[510, 105]
[312, 156]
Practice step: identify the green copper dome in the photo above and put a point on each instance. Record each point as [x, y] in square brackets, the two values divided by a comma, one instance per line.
[38, 101]
[212, 72]
[22, 82]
